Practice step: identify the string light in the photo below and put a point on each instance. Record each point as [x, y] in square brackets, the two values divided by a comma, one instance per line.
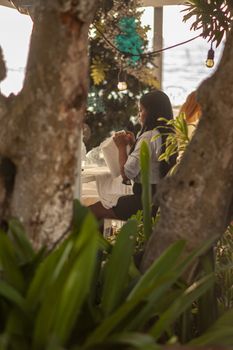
[121, 85]
[146, 54]
[210, 58]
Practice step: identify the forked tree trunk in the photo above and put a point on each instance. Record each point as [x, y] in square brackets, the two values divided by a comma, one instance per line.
[40, 127]
[196, 203]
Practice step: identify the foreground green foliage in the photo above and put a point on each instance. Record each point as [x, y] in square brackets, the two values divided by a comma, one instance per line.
[88, 294]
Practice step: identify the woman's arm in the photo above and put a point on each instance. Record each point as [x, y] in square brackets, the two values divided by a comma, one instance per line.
[122, 160]
[122, 140]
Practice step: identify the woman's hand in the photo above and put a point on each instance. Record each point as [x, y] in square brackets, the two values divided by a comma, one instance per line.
[131, 137]
[121, 139]
[124, 138]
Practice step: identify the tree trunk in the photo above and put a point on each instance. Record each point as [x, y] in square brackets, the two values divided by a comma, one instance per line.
[197, 202]
[40, 127]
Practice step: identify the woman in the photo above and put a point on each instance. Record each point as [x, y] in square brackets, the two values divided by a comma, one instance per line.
[191, 108]
[152, 106]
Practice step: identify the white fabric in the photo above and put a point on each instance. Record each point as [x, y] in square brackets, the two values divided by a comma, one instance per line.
[132, 165]
[111, 156]
[110, 189]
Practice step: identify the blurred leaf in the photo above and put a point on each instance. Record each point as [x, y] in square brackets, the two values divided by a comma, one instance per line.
[9, 264]
[12, 295]
[218, 334]
[78, 281]
[180, 305]
[136, 340]
[98, 69]
[164, 263]
[80, 213]
[117, 269]
[47, 273]
[154, 282]
[146, 188]
[58, 311]
[24, 249]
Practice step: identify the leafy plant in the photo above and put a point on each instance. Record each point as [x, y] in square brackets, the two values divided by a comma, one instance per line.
[98, 69]
[88, 294]
[213, 17]
[146, 188]
[177, 138]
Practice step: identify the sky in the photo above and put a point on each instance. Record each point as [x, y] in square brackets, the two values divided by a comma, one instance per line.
[184, 67]
[15, 31]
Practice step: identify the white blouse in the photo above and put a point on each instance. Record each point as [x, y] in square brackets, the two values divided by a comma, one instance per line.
[132, 165]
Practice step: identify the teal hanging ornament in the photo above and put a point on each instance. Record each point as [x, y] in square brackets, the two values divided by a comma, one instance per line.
[129, 41]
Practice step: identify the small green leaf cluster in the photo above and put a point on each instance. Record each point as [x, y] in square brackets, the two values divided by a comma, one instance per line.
[177, 137]
[213, 17]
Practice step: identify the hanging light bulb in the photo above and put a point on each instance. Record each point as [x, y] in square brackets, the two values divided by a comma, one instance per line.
[121, 85]
[210, 58]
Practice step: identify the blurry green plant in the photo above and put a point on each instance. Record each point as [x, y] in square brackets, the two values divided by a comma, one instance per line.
[88, 294]
[177, 138]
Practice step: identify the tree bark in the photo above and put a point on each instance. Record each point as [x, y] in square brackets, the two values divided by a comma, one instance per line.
[197, 202]
[40, 127]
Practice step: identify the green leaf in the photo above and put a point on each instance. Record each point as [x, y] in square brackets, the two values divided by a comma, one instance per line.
[152, 283]
[219, 334]
[24, 249]
[181, 304]
[9, 263]
[135, 340]
[47, 273]
[114, 320]
[12, 295]
[68, 286]
[78, 281]
[146, 188]
[80, 213]
[53, 264]
[117, 269]
[164, 263]
[171, 272]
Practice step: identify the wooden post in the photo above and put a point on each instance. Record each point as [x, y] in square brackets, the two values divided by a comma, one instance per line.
[158, 42]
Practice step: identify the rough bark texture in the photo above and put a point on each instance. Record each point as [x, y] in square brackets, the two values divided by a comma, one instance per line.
[40, 127]
[196, 203]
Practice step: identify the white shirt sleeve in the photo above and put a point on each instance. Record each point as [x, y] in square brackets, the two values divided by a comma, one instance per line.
[132, 165]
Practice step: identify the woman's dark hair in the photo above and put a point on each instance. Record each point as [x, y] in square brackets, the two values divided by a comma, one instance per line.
[158, 105]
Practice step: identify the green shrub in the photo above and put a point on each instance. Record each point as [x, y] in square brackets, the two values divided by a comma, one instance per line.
[88, 294]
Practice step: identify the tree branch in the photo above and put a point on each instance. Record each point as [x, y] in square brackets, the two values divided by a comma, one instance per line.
[45, 119]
